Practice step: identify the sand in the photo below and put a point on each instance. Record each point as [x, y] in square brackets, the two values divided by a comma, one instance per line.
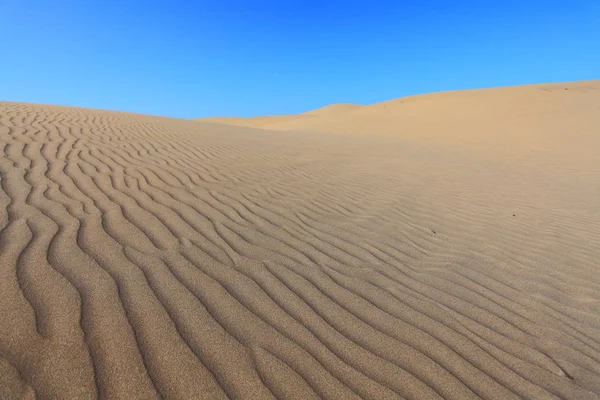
[437, 246]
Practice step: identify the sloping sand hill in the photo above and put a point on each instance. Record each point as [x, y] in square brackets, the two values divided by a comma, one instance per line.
[277, 121]
[449, 248]
[516, 120]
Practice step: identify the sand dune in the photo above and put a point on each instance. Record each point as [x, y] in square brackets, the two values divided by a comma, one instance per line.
[447, 249]
[277, 121]
[252, 122]
[513, 120]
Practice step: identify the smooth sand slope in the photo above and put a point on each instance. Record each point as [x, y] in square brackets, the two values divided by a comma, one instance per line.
[513, 119]
[281, 122]
[450, 250]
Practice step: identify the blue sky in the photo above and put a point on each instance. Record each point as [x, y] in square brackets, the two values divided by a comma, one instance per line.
[222, 57]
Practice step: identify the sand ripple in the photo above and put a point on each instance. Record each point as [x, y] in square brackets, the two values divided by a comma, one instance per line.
[145, 257]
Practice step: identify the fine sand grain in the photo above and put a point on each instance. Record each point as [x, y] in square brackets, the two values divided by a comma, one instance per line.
[440, 246]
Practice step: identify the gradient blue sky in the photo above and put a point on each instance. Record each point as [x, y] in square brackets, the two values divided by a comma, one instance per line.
[223, 57]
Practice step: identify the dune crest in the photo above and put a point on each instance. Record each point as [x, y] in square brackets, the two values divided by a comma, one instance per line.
[513, 120]
[333, 109]
[145, 257]
[274, 121]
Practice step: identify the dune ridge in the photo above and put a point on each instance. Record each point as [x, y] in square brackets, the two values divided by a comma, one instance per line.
[275, 121]
[507, 118]
[145, 257]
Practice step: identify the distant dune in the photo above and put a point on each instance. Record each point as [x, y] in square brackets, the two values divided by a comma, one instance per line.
[442, 246]
[333, 110]
[274, 121]
[483, 117]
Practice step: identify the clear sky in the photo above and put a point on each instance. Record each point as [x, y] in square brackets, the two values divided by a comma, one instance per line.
[253, 57]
